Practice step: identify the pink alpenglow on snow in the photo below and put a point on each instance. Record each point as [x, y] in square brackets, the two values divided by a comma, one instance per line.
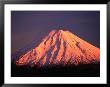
[60, 47]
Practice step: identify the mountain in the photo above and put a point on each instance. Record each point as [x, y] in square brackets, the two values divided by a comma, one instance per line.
[60, 47]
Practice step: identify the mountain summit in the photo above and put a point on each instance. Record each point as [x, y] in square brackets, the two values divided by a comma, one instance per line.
[60, 47]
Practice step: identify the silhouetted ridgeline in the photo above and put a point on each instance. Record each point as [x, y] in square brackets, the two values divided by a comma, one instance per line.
[82, 70]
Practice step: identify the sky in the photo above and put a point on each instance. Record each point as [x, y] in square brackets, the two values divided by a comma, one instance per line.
[29, 26]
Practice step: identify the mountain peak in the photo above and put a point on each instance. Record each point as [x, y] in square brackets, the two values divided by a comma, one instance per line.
[60, 30]
[61, 47]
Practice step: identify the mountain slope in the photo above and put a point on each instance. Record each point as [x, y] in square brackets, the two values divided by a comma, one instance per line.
[60, 48]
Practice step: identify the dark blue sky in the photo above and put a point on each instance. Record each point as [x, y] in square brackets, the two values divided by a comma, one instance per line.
[27, 26]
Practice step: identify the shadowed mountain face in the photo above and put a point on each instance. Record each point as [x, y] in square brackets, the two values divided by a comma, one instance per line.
[60, 47]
